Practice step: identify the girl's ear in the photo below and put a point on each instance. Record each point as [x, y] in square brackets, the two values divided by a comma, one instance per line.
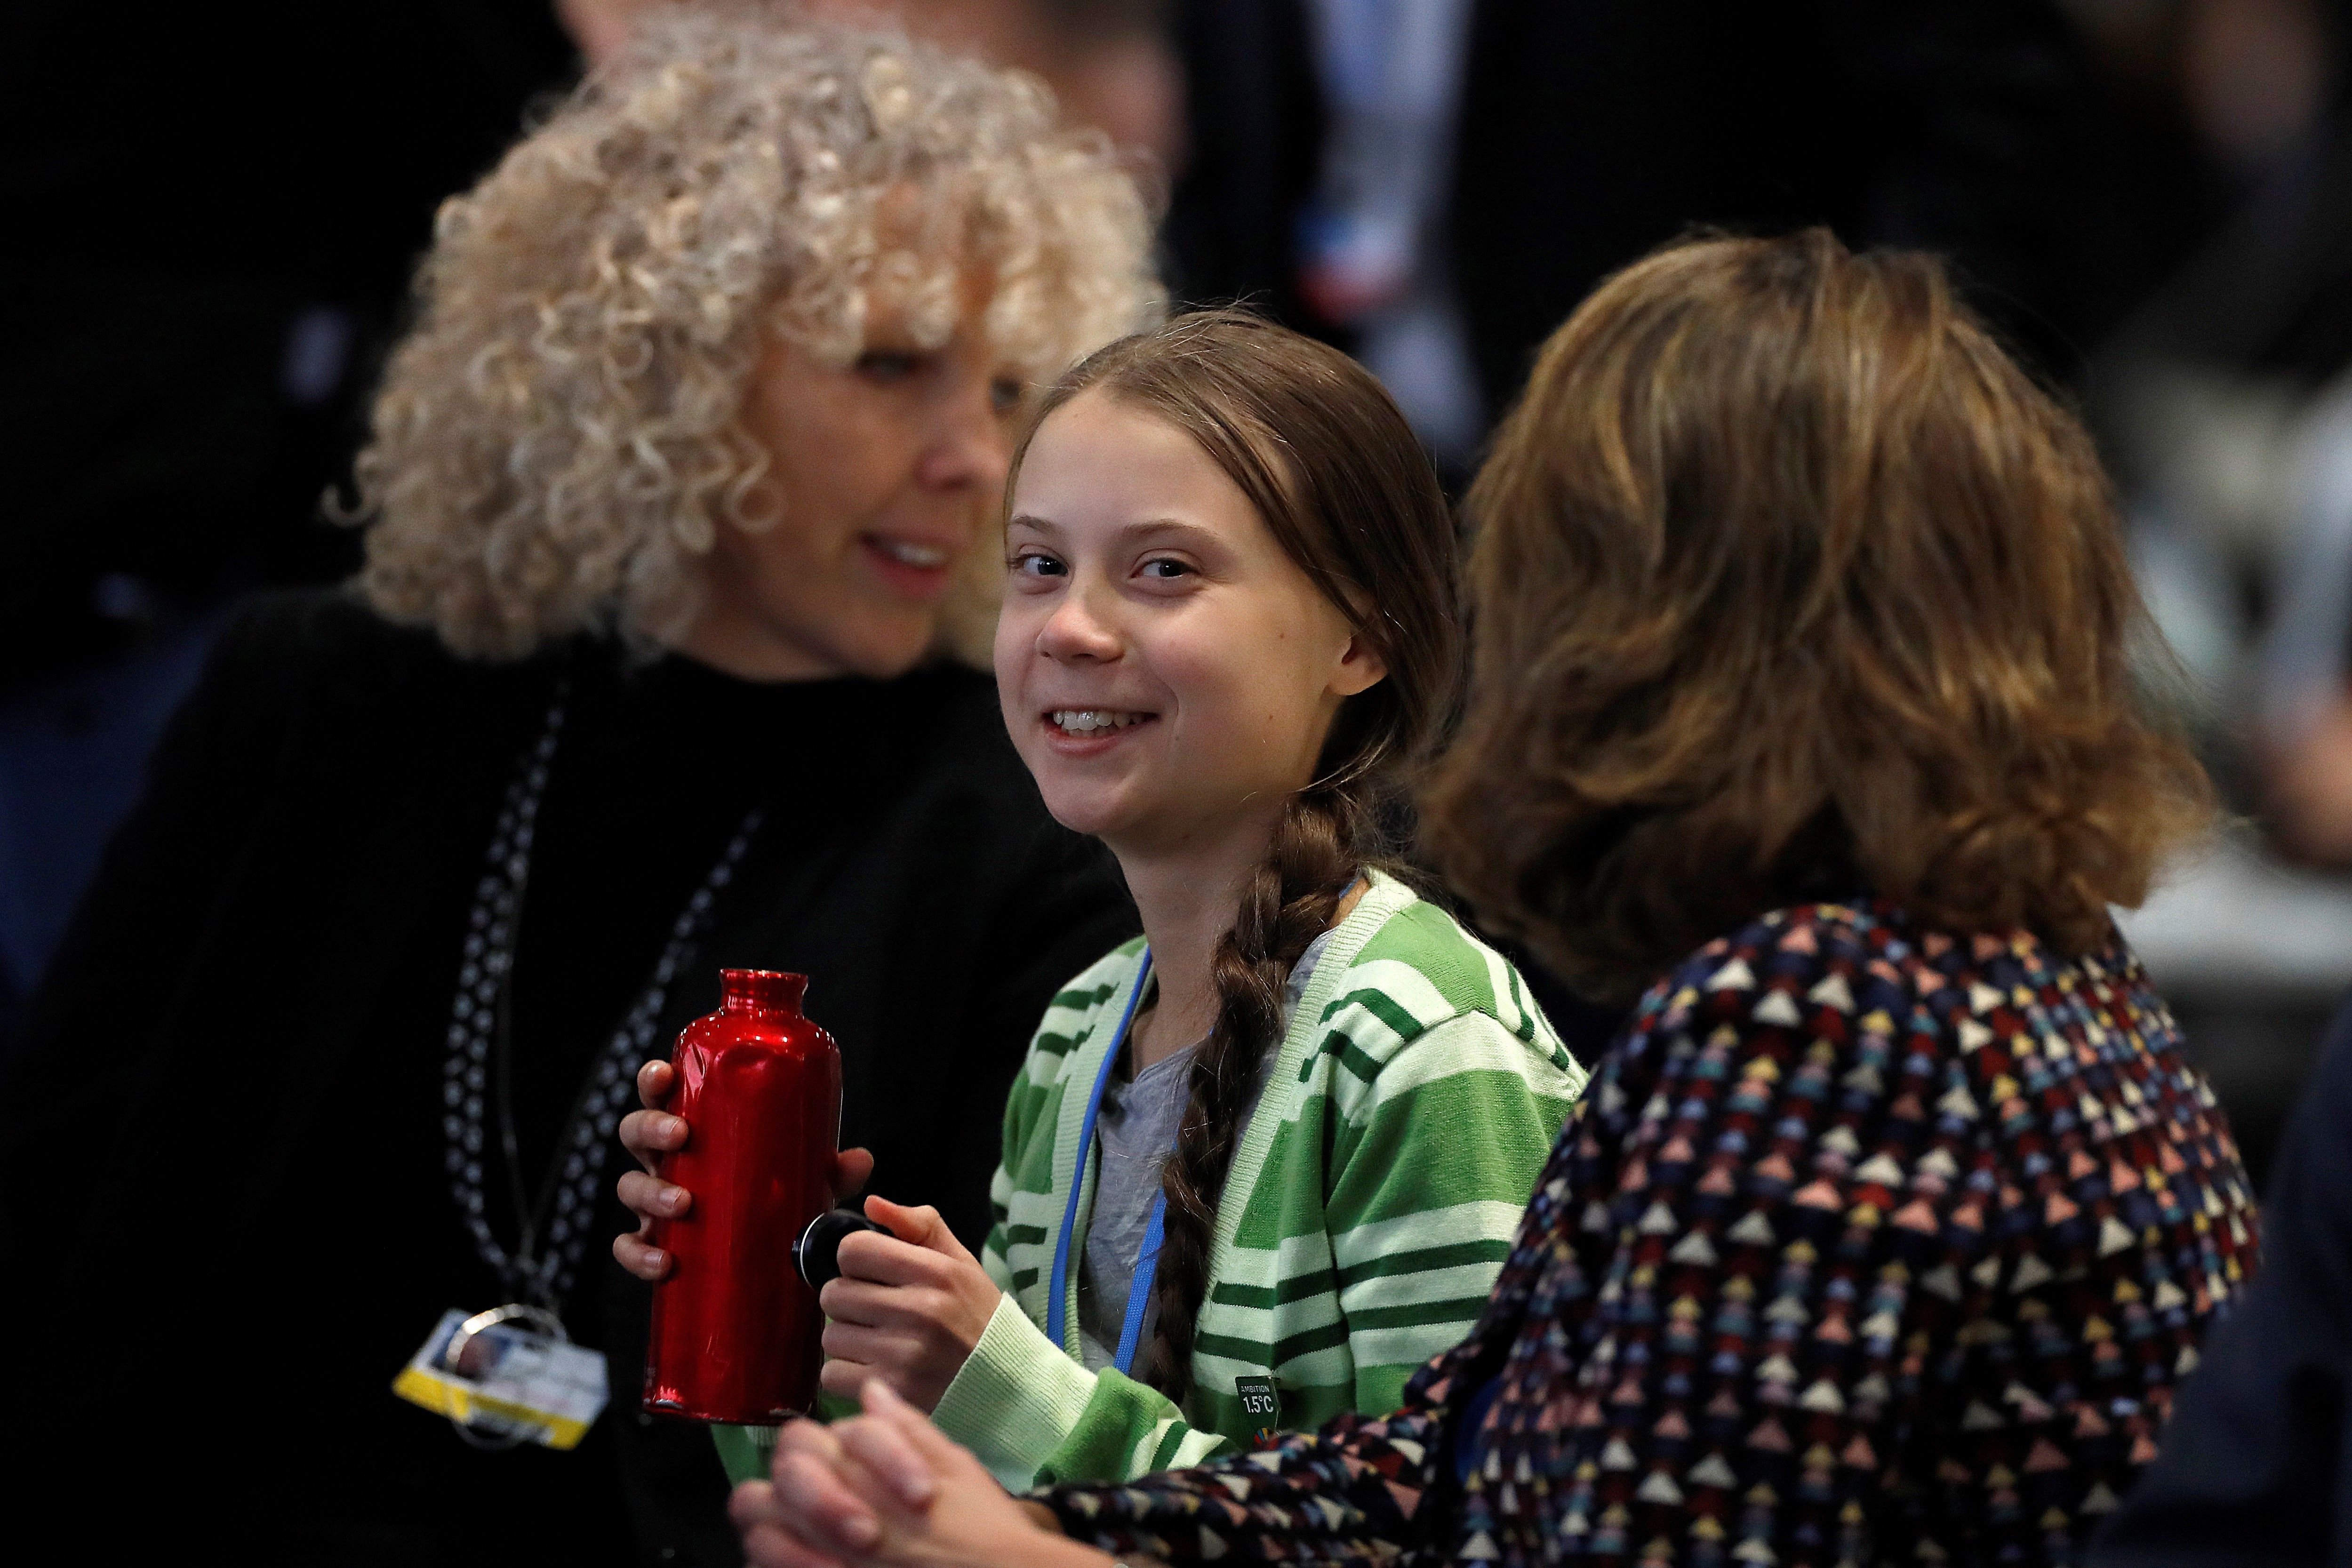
[1360, 667]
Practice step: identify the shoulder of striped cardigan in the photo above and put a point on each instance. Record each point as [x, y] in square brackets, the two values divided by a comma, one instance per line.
[1411, 1115]
[1416, 1096]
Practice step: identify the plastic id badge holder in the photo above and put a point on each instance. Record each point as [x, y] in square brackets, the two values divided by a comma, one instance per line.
[504, 1380]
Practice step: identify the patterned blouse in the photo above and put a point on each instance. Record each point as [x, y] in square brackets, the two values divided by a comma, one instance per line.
[1867, 1244]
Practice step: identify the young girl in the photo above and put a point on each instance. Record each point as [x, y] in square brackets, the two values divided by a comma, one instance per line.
[1264, 1163]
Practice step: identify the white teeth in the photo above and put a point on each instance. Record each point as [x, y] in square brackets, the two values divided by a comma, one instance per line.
[923, 555]
[1085, 720]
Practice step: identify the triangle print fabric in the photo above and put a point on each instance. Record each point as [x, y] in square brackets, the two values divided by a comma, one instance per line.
[1866, 1245]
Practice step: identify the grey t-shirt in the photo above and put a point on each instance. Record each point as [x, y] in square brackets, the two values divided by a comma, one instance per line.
[1134, 1132]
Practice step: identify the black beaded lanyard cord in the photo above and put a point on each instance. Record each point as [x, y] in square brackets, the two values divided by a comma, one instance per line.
[540, 1269]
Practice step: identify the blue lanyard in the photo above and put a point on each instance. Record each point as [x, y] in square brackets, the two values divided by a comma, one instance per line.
[1147, 1259]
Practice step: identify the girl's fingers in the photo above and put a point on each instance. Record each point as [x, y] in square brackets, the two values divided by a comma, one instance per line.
[879, 1306]
[641, 1258]
[633, 1131]
[920, 1226]
[650, 1197]
[845, 1378]
[873, 1347]
[852, 1169]
[647, 1134]
[654, 1079]
[881, 1260]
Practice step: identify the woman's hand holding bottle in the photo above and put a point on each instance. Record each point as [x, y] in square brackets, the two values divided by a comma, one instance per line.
[650, 1134]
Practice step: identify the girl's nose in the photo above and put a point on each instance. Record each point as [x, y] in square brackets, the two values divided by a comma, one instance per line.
[1074, 633]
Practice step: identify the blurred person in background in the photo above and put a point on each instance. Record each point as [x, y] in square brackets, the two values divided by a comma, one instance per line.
[1107, 60]
[1436, 184]
[670, 495]
[2223, 404]
[218, 214]
[1801, 696]
[2222, 396]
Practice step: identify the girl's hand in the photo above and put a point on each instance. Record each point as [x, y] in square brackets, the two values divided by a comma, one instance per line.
[908, 1308]
[889, 1487]
[652, 1133]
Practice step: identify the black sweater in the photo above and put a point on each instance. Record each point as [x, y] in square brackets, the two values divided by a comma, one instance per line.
[229, 1097]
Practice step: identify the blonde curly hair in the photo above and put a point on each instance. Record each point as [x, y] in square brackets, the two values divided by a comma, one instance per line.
[556, 441]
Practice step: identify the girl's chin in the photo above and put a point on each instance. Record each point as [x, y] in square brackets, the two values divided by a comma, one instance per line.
[1088, 812]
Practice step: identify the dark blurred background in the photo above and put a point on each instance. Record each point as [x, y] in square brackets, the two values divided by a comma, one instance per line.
[216, 213]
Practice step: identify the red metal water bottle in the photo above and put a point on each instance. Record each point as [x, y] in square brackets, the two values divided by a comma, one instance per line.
[735, 1332]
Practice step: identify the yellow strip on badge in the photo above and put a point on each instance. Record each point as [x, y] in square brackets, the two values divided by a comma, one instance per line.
[511, 1382]
[445, 1396]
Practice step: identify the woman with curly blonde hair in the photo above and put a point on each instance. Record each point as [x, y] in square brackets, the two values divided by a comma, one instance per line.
[1802, 706]
[670, 497]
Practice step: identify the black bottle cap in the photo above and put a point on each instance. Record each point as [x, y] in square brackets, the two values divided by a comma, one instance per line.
[817, 1254]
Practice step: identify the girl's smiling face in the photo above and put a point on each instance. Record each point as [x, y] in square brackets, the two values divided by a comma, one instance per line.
[1166, 670]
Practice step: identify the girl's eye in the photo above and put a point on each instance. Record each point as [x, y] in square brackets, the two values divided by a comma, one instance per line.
[1163, 570]
[887, 365]
[1004, 394]
[1037, 564]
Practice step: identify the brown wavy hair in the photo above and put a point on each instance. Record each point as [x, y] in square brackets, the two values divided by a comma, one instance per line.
[1322, 452]
[1789, 583]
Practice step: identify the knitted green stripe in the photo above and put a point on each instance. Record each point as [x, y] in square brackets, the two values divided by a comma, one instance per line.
[1415, 1317]
[1421, 1259]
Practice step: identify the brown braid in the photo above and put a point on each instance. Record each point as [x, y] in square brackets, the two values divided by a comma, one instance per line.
[1327, 835]
[1336, 474]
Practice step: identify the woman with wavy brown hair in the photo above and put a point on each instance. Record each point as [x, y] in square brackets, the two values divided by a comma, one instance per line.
[1803, 706]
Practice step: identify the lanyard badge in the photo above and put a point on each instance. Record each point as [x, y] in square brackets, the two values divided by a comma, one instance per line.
[511, 1374]
[506, 1377]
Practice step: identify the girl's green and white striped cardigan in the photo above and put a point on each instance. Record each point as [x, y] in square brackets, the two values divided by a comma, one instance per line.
[1369, 1207]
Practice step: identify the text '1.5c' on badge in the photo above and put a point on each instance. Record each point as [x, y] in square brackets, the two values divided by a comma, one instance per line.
[1260, 1404]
